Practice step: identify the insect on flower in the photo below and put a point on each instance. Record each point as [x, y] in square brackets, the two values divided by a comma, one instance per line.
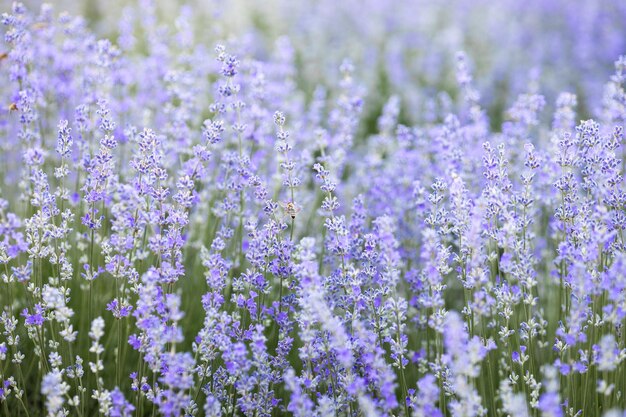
[291, 208]
[39, 25]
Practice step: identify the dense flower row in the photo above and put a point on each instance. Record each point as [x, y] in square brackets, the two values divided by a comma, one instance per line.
[184, 230]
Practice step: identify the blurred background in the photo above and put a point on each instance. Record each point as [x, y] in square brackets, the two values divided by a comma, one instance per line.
[406, 47]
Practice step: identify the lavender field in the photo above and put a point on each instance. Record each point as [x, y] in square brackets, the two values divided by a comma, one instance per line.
[329, 208]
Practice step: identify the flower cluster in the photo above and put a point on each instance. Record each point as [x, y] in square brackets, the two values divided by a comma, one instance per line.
[227, 231]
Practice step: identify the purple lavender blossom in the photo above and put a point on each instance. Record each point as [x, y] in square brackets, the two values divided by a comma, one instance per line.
[332, 212]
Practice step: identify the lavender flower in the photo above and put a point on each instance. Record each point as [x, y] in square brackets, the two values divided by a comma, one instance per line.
[417, 232]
